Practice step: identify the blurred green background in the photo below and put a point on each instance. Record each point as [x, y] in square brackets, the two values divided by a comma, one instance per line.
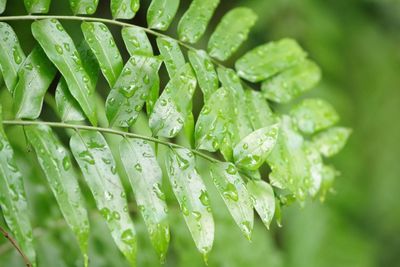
[357, 45]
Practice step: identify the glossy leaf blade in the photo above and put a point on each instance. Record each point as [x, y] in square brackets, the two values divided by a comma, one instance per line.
[292, 82]
[235, 195]
[313, 115]
[132, 89]
[83, 7]
[172, 55]
[61, 50]
[37, 6]
[192, 196]
[258, 110]
[35, 77]
[161, 13]
[251, 152]
[13, 197]
[331, 141]
[68, 108]
[174, 105]
[145, 176]
[99, 170]
[2, 5]
[194, 22]
[11, 56]
[263, 199]
[231, 32]
[136, 41]
[267, 60]
[55, 161]
[124, 9]
[214, 121]
[288, 161]
[205, 71]
[102, 43]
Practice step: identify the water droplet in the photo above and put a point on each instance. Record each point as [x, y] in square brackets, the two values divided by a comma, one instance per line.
[204, 198]
[128, 237]
[138, 167]
[66, 163]
[230, 192]
[59, 49]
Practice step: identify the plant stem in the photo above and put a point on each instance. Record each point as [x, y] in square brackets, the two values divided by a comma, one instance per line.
[108, 131]
[15, 245]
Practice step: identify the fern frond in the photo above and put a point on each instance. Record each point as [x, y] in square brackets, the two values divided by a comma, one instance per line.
[235, 120]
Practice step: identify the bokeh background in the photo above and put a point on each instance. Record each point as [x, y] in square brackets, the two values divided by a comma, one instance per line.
[357, 45]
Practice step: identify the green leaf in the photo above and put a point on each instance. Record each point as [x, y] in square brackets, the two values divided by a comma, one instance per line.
[328, 177]
[161, 13]
[258, 110]
[56, 164]
[13, 198]
[194, 22]
[102, 43]
[214, 121]
[136, 41]
[316, 167]
[67, 107]
[331, 141]
[61, 50]
[251, 152]
[37, 6]
[263, 199]
[2, 5]
[11, 56]
[288, 161]
[267, 60]
[84, 7]
[205, 72]
[192, 196]
[35, 77]
[124, 9]
[234, 193]
[172, 55]
[99, 170]
[153, 95]
[292, 82]
[132, 89]
[313, 115]
[174, 105]
[231, 33]
[145, 177]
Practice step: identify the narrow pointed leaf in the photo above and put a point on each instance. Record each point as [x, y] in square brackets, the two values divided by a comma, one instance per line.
[172, 55]
[313, 115]
[288, 161]
[99, 170]
[13, 198]
[124, 9]
[11, 56]
[205, 72]
[102, 43]
[132, 89]
[35, 77]
[61, 50]
[251, 152]
[174, 105]
[192, 196]
[153, 95]
[214, 121]
[161, 13]
[136, 41]
[145, 176]
[331, 141]
[267, 60]
[83, 7]
[68, 108]
[231, 32]
[316, 167]
[263, 199]
[292, 82]
[2, 5]
[194, 22]
[328, 177]
[258, 110]
[234, 193]
[37, 6]
[56, 164]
